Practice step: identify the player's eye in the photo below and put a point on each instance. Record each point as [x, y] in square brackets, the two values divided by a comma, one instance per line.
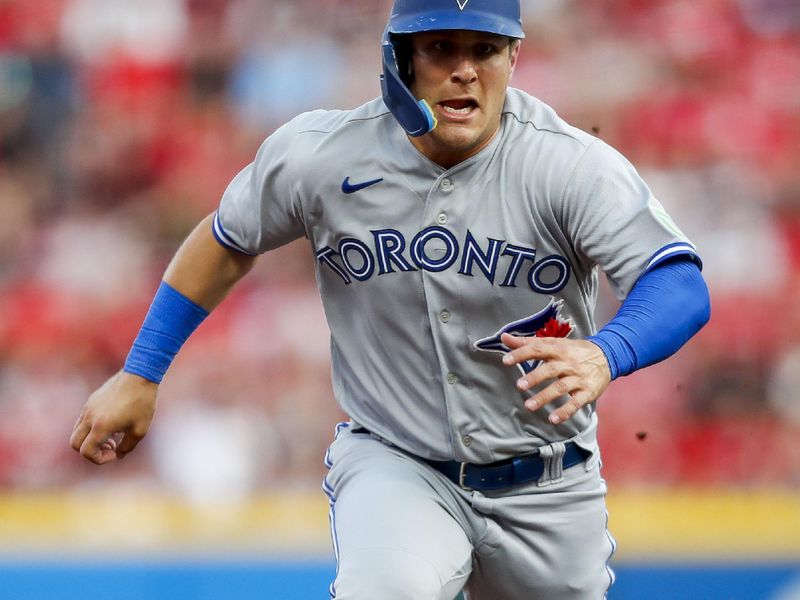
[442, 46]
[485, 49]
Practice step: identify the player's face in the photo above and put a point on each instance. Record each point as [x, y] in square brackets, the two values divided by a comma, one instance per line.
[463, 75]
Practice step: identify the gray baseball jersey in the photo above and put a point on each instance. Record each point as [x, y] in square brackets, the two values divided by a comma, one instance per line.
[420, 267]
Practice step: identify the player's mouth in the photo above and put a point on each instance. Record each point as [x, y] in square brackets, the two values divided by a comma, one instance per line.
[458, 109]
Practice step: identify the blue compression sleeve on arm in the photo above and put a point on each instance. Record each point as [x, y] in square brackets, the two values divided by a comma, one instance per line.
[172, 318]
[665, 308]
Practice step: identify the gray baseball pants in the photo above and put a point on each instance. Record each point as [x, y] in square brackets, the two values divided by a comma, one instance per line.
[403, 531]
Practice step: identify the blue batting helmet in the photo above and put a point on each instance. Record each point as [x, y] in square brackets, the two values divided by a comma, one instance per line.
[501, 17]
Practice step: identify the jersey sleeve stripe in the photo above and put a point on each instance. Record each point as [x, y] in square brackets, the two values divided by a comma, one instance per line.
[671, 251]
[224, 239]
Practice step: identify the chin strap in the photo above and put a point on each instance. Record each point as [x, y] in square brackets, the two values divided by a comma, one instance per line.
[415, 116]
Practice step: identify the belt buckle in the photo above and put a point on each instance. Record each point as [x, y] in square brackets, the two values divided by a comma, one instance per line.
[462, 475]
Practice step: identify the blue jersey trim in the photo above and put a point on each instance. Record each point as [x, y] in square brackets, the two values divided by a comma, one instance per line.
[671, 251]
[225, 239]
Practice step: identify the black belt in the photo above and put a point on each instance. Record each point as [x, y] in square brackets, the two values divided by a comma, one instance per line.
[504, 473]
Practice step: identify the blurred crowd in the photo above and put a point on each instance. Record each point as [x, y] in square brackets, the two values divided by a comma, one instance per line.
[121, 122]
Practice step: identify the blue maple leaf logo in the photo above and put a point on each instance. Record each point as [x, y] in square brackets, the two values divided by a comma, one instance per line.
[545, 323]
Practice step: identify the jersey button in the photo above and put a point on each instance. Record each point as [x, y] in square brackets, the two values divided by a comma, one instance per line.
[452, 378]
[446, 185]
[467, 440]
[441, 218]
[444, 316]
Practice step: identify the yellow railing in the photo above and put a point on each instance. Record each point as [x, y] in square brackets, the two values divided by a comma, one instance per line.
[646, 524]
[722, 524]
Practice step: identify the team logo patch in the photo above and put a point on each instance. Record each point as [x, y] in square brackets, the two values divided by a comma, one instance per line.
[545, 323]
[462, 4]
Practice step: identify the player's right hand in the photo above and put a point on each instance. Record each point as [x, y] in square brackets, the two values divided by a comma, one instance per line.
[115, 418]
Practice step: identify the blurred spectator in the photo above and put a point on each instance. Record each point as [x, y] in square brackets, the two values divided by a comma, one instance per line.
[771, 17]
[726, 210]
[214, 446]
[291, 70]
[784, 386]
[145, 31]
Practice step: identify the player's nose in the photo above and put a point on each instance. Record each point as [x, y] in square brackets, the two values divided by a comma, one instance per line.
[464, 70]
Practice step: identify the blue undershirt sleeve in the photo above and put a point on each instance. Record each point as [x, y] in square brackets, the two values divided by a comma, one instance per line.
[666, 307]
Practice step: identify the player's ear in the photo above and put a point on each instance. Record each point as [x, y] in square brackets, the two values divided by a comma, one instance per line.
[513, 52]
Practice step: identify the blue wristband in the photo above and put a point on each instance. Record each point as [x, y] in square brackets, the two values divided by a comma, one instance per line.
[172, 318]
[666, 307]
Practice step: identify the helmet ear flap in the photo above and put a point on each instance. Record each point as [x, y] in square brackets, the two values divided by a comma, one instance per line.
[415, 116]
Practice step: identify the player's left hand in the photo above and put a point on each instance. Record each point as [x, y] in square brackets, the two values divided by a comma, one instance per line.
[577, 368]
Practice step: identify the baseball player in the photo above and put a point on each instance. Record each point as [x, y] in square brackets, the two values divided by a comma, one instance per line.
[457, 226]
